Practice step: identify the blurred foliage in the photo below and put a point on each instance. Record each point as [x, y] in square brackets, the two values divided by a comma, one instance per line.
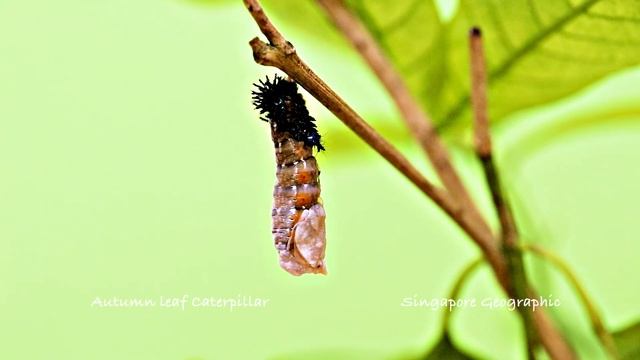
[628, 342]
[337, 354]
[542, 136]
[537, 51]
[446, 350]
[143, 171]
[304, 15]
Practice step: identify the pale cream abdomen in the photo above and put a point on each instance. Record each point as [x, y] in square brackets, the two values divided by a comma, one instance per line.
[298, 216]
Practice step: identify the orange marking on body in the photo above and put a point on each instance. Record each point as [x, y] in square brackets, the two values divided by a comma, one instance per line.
[304, 177]
[304, 199]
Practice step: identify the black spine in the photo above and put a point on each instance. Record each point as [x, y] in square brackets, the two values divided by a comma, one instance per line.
[280, 103]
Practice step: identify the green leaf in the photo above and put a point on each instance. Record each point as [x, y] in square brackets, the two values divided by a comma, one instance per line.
[413, 37]
[628, 342]
[523, 147]
[537, 50]
[408, 30]
[337, 354]
[212, 2]
[445, 349]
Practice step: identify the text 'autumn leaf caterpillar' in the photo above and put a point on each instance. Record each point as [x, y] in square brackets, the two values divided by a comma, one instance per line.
[297, 214]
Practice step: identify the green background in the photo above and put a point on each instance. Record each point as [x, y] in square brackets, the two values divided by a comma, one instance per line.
[132, 165]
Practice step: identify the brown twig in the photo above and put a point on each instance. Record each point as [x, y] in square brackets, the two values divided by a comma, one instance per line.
[273, 35]
[284, 57]
[508, 231]
[419, 124]
[537, 326]
[482, 136]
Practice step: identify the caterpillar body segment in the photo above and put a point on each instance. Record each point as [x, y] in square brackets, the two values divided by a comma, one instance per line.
[298, 216]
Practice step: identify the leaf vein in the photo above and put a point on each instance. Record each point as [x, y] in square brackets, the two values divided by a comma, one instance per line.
[597, 39]
[533, 43]
[403, 18]
[534, 13]
[502, 33]
[613, 17]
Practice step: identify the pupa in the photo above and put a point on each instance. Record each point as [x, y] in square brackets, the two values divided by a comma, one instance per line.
[298, 217]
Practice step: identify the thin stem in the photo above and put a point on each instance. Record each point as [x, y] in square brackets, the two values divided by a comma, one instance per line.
[594, 315]
[418, 122]
[517, 287]
[457, 287]
[273, 35]
[482, 135]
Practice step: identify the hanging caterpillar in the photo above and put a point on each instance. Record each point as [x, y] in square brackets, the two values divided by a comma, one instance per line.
[297, 215]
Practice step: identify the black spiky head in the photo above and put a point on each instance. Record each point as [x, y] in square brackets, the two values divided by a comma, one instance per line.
[280, 104]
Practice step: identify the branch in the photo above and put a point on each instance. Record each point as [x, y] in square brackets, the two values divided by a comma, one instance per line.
[517, 286]
[273, 35]
[419, 124]
[594, 315]
[281, 54]
[537, 326]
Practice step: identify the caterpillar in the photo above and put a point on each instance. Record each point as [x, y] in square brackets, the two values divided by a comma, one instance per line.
[298, 217]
